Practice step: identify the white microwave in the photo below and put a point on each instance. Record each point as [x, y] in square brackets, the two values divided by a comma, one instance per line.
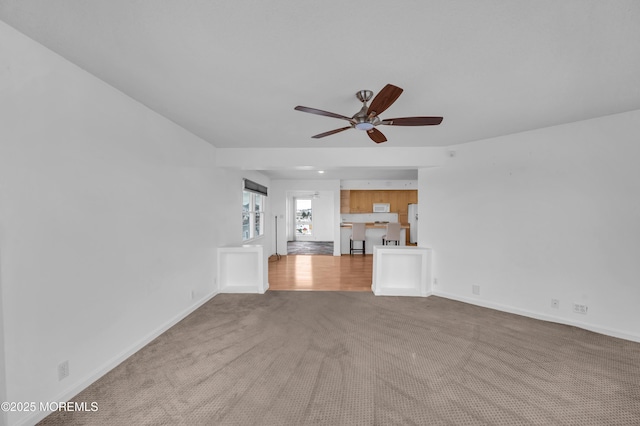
[381, 207]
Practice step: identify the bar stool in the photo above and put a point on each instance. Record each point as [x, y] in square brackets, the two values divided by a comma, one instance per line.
[393, 233]
[357, 234]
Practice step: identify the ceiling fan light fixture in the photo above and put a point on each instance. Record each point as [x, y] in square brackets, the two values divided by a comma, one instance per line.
[364, 126]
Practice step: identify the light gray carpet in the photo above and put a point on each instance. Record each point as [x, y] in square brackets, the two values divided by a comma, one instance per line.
[345, 358]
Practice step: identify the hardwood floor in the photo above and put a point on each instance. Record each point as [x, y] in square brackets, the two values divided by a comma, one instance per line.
[321, 273]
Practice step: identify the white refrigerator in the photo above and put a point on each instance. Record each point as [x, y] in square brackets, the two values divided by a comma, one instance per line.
[413, 223]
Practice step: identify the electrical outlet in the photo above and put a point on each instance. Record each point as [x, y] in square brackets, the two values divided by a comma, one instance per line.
[63, 370]
[580, 309]
[555, 303]
[475, 289]
[192, 294]
[435, 281]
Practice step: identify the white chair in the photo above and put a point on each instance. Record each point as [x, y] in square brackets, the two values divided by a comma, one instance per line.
[393, 233]
[357, 234]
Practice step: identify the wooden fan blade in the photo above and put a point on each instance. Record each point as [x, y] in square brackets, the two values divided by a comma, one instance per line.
[330, 132]
[412, 121]
[384, 99]
[376, 135]
[321, 112]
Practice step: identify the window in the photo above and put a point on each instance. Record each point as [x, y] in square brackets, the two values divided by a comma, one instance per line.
[253, 203]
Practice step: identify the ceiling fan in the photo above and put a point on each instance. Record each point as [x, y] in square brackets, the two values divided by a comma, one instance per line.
[369, 116]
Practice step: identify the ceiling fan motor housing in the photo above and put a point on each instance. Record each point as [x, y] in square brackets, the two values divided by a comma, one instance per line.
[362, 121]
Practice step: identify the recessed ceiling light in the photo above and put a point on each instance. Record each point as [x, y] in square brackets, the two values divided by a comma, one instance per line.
[320, 171]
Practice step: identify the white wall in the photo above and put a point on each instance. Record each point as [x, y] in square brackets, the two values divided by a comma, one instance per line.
[326, 219]
[110, 220]
[3, 377]
[547, 214]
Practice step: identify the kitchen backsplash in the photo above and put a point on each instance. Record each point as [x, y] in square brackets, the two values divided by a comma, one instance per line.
[369, 217]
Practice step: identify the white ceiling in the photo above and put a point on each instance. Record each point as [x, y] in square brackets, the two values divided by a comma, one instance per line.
[231, 72]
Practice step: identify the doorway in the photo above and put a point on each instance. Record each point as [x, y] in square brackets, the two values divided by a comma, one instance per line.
[310, 223]
[303, 219]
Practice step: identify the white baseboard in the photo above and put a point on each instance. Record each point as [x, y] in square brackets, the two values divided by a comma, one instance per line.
[541, 316]
[117, 360]
[403, 292]
[242, 289]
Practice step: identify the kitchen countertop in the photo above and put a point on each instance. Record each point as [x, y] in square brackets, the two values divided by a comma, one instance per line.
[373, 225]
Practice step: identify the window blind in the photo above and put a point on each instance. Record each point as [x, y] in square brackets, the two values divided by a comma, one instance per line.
[252, 186]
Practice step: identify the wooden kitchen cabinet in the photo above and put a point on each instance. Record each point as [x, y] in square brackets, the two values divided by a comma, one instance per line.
[345, 201]
[361, 201]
